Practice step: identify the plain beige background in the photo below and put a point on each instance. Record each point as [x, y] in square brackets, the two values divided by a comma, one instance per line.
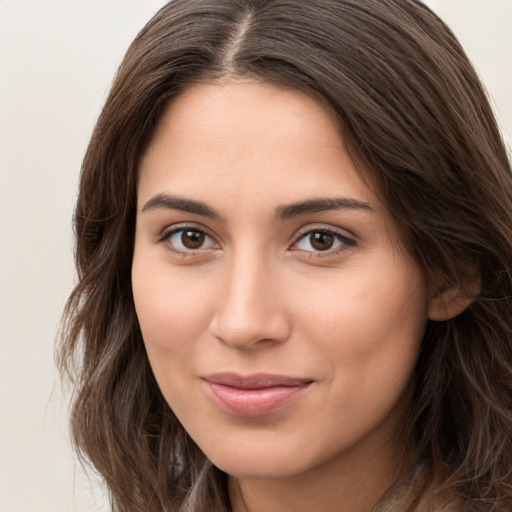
[57, 58]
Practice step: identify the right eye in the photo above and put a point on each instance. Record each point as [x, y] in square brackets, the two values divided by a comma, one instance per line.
[189, 240]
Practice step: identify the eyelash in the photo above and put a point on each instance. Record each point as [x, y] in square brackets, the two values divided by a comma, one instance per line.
[185, 252]
[345, 242]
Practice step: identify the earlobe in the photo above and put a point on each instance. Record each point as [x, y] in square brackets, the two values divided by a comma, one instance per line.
[449, 302]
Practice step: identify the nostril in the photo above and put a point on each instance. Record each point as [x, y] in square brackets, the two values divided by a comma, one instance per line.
[244, 333]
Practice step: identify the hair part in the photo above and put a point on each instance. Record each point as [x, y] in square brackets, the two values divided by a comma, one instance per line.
[417, 117]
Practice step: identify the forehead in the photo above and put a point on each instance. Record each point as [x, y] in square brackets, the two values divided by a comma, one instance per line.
[250, 136]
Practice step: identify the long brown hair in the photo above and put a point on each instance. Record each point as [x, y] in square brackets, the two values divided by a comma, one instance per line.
[416, 115]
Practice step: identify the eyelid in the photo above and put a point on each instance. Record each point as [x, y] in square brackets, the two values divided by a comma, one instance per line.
[169, 231]
[348, 240]
[176, 226]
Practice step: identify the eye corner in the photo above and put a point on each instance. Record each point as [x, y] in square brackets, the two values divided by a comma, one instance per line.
[198, 244]
[329, 241]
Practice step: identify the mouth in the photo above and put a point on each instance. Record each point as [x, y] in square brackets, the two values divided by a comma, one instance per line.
[254, 395]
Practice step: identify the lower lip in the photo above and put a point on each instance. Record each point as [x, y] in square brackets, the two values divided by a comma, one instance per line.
[253, 402]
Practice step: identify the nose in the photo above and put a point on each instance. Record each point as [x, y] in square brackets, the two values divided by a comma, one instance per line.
[249, 311]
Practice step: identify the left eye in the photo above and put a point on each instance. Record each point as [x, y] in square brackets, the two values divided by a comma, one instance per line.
[188, 239]
[321, 241]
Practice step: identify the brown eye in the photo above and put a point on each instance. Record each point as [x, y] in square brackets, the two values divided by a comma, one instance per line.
[192, 239]
[189, 240]
[321, 241]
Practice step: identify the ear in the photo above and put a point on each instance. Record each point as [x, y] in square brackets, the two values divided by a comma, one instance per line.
[446, 303]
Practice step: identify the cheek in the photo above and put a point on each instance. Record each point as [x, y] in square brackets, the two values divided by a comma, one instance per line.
[385, 298]
[367, 333]
[172, 316]
[172, 309]
[368, 325]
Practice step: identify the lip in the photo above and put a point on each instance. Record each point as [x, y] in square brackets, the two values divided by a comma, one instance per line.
[254, 395]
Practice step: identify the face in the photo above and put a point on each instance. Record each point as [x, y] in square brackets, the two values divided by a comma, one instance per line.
[281, 318]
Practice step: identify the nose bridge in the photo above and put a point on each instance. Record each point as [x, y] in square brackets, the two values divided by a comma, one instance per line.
[248, 310]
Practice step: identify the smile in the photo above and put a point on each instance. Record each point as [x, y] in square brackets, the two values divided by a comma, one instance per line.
[255, 395]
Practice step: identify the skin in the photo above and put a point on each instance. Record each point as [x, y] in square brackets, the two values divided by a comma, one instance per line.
[258, 296]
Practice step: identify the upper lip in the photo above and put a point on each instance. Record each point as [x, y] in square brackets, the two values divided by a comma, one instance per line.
[255, 381]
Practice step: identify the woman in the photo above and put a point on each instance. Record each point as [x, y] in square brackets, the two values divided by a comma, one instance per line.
[294, 251]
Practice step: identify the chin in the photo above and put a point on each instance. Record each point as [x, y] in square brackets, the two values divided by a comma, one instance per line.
[264, 461]
[259, 467]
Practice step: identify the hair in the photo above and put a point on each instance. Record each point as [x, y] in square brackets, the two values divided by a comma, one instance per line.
[416, 115]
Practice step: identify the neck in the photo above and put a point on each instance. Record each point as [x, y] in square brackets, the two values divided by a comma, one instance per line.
[355, 481]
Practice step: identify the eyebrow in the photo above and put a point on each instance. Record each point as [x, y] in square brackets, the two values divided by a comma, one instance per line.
[288, 211]
[283, 212]
[167, 202]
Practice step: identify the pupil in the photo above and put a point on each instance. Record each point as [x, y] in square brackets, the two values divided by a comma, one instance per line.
[192, 239]
[322, 241]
